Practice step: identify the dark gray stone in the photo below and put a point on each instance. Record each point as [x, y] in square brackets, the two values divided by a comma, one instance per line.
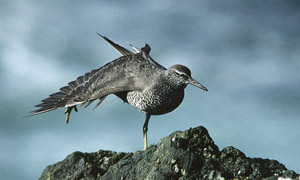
[191, 155]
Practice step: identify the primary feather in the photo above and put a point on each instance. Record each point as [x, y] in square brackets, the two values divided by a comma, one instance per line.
[117, 77]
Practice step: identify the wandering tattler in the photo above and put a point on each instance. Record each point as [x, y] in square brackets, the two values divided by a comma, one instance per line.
[134, 77]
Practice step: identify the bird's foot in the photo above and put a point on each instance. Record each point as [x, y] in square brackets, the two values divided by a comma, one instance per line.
[68, 112]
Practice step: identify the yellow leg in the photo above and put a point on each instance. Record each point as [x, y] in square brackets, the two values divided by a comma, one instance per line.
[145, 129]
[68, 112]
[145, 139]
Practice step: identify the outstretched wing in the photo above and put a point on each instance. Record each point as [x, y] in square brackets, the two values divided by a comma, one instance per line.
[121, 75]
[127, 73]
[65, 97]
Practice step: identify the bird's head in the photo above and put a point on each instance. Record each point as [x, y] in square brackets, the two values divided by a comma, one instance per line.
[180, 76]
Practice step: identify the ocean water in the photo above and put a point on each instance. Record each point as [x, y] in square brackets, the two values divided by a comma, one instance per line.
[246, 53]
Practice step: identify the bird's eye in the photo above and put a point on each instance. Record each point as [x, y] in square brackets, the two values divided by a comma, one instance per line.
[180, 74]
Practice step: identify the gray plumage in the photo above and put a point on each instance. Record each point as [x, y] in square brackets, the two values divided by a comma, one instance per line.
[134, 77]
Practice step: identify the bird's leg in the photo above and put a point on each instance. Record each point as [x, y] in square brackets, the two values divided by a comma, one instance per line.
[68, 112]
[145, 129]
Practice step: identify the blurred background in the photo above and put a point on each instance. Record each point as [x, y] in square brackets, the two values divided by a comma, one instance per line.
[247, 53]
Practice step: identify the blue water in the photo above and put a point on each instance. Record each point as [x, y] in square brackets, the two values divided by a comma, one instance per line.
[247, 53]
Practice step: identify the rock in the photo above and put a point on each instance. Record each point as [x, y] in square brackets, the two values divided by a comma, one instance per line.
[191, 154]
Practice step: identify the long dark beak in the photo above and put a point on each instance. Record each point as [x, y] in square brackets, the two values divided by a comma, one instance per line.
[196, 83]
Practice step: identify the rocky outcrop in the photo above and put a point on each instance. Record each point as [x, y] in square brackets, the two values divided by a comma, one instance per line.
[191, 154]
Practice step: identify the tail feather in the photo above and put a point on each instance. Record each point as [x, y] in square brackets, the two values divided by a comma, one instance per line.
[123, 51]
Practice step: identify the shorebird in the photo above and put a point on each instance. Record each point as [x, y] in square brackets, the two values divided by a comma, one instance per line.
[134, 77]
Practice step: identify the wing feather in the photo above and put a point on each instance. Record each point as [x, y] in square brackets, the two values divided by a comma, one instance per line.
[121, 75]
[123, 51]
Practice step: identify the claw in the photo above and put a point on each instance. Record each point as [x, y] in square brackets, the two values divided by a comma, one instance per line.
[68, 112]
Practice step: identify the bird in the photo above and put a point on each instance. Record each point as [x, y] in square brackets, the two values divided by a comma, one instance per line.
[134, 77]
